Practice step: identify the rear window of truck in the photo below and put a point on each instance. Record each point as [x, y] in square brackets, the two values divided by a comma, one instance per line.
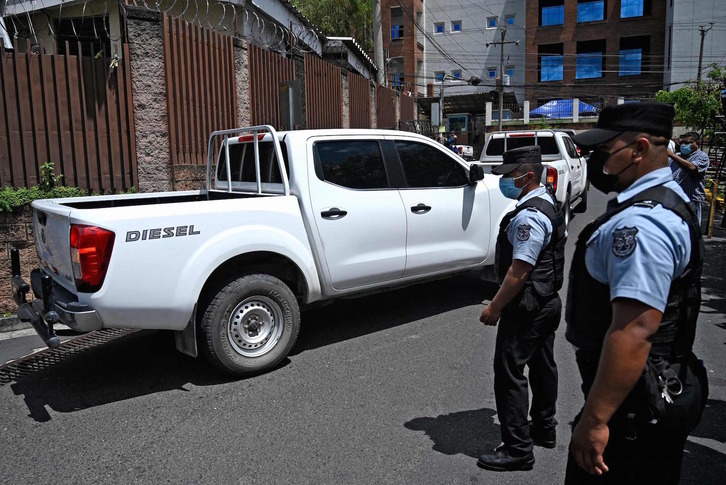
[495, 147]
[242, 163]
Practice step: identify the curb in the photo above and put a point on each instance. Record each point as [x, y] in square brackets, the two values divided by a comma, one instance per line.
[12, 323]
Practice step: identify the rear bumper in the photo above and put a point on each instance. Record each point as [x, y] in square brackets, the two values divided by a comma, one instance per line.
[52, 304]
[77, 316]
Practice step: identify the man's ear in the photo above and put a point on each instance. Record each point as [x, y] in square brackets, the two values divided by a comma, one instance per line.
[642, 146]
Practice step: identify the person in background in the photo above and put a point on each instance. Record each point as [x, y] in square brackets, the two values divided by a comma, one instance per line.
[690, 174]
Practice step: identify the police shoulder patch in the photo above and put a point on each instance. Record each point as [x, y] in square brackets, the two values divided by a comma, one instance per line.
[523, 231]
[624, 241]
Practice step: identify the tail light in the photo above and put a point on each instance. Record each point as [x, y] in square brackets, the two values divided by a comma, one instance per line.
[91, 249]
[552, 177]
[461, 150]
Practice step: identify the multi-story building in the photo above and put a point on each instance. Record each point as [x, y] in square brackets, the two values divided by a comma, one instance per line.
[403, 43]
[594, 48]
[684, 20]
[457, 32]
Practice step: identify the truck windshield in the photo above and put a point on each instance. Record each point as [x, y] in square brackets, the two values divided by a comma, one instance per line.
[242, 163]
[495, 147]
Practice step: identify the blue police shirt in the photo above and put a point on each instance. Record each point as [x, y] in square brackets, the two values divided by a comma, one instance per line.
[640, 251]
[530, 230]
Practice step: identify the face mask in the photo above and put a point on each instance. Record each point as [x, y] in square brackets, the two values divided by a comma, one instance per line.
[604, 182]
[686, 149]
[506, 185]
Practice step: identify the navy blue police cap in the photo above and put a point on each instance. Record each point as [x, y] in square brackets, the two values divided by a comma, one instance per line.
[514, 158]
[648, 117]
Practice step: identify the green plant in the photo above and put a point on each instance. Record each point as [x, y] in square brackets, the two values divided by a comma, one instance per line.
[49, 187]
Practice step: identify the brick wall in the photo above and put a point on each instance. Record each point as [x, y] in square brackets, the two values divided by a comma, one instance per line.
[16, 229]
[346, 101]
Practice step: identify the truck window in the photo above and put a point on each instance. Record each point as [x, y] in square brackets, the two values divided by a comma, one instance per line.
[570, 146]
[242, 163]
[425, 166]
[353, 164]
[495, 147]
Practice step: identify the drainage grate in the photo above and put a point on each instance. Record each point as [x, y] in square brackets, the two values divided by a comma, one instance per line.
[44, 359]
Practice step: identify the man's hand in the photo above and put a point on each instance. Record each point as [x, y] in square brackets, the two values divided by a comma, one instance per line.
[670, 153]
[490, 315]
[588, 444]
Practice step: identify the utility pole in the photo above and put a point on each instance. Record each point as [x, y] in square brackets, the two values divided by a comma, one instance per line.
[378, 43]
[500, 81]
[703, 30]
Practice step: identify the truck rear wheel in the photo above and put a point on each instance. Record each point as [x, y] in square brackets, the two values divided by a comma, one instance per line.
[250, 325]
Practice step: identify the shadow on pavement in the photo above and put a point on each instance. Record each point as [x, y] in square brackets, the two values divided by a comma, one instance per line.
[348, 319]
[471, 433]
[701, 464]
[147, 362]
[713, 280]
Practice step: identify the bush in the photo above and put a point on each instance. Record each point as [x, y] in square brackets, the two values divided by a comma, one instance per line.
[48, 188]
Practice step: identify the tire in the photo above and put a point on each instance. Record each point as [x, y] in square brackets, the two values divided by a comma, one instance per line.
[250, 325]
[582, 206]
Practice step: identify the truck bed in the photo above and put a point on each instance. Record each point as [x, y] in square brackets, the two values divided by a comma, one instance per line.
[165, 198]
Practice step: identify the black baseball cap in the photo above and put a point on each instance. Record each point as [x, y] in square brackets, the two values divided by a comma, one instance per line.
[648, 117]
[513, 159]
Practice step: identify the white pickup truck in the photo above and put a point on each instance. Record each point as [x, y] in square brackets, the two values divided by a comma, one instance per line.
[566, 170]
[288, 219]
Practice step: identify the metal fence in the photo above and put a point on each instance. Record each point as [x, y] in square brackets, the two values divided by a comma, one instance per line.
[267, 70]
[73, 111]
[200, 86]
[359, 98]
[323, 93]
[385, 107]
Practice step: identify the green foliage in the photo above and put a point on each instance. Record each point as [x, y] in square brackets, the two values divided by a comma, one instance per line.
[341, 18]
[48, 188]
[697, 103]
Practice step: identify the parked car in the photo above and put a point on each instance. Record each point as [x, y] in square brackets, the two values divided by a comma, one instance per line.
[566, 170]
[287, 220]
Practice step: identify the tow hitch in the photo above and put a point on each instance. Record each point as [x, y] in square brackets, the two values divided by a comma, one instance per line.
[40, 313]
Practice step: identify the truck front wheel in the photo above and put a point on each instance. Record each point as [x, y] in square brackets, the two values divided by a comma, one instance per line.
[250, 325]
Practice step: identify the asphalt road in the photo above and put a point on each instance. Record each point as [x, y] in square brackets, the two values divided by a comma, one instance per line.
[393, 388]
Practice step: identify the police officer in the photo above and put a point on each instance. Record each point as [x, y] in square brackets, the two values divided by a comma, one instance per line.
[529, 263]
[633, 300]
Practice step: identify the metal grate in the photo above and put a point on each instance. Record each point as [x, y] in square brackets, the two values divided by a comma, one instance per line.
[17, 369]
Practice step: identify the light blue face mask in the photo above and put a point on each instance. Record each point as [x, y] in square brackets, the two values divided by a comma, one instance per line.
[506, 185]
[686, 149]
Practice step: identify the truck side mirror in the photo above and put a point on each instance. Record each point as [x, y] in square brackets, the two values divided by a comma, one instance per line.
[476, 173]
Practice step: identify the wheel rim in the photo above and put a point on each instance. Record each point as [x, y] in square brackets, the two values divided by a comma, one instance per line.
[255, 326]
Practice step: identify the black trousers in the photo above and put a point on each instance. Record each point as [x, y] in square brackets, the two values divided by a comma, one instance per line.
[654, 456]
[526, 338]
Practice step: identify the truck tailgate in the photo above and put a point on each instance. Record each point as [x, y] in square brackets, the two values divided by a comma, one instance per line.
[51, 226]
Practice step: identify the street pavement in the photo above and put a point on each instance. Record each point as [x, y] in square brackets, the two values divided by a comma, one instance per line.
[391, 388]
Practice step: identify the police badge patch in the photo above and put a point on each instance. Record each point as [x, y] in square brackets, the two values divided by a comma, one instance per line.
[624, 241]
[523, 231]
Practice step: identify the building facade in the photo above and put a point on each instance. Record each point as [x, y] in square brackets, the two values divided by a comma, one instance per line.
[594, 49]
[684, 20]
[403, 43]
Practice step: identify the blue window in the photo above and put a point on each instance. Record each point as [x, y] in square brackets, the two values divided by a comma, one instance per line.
[439, 76]
[630, 62]
[491, 23]
[589, 65]
[492, 73]
[631, 8]
[439, 28]
[553, 15]
[396, 32]
[456, 74]
[591, 11]
[552, 68]
[510, 20]
[397, 79]
[510, 72]
[456, 26]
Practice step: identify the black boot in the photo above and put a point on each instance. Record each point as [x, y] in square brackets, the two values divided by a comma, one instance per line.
[500, 460]
[541, 436]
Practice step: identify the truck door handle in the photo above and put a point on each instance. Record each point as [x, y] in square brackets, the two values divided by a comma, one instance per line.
[420, 209]
[334, 213]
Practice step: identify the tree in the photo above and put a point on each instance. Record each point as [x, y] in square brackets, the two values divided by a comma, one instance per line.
[698, 103]
[342, 18]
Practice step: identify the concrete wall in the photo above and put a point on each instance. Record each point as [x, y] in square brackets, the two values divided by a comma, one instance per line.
[346, 101]
[16, 229]
[148, 85]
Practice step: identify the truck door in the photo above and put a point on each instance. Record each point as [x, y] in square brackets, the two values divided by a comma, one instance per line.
[574, 163]
[448, 219]
[359, 217]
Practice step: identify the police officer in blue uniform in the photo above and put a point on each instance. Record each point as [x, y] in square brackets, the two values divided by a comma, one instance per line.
[530, 265]
[632, 305]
